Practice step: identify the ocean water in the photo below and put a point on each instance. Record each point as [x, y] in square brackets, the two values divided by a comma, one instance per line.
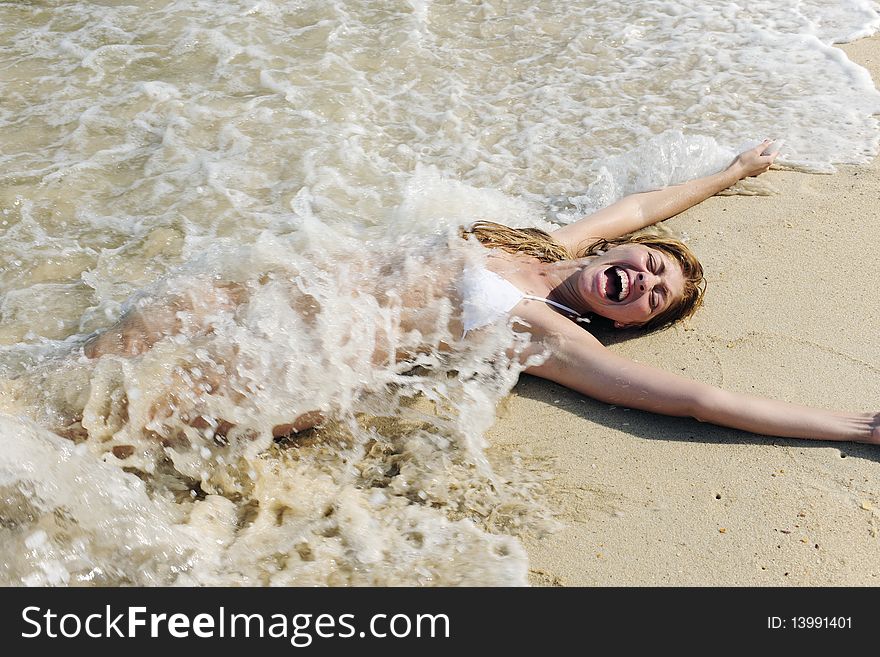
[315, 158]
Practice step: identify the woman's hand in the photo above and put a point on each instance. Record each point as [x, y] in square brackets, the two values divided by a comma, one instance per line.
[751, 162]
[861, 427]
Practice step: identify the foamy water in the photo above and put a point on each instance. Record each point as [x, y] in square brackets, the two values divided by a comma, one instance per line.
[319, 156]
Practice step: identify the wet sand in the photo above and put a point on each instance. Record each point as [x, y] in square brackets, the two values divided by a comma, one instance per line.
[791, 312]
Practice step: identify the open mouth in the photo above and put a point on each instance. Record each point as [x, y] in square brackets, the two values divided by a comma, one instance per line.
[617, 285]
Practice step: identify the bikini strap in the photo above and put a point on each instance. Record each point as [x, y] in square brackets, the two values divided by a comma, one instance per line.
[577, 315]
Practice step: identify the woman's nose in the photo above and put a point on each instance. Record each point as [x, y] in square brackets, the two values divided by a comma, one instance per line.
[647, 281]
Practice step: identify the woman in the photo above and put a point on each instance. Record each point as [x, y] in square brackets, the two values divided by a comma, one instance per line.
[549, 283]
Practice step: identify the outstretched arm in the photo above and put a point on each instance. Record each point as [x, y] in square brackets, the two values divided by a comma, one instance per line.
[644, 209]
[581, 363]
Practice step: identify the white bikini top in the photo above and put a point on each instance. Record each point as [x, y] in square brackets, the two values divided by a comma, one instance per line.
[486, 296]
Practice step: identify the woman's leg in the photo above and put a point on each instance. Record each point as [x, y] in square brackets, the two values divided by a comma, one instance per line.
[150, 321]
[144, 325]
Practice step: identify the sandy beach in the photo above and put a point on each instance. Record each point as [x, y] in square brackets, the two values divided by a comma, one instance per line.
[791, 312]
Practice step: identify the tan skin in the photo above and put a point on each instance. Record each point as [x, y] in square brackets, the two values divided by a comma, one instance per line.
[577, 360]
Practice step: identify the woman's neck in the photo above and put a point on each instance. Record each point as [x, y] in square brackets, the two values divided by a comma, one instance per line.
[558, 281]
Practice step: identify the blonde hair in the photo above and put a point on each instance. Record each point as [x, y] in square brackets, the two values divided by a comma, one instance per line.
[539, 244]
[527, 241]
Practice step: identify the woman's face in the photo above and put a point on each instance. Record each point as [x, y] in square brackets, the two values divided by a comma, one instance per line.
[630, 284]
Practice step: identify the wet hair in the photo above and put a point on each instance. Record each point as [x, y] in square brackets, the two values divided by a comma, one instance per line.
[539, 244]
[533, 242]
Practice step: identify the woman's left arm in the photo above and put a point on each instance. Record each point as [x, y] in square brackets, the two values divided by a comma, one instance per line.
[580, 362]
[647, 208]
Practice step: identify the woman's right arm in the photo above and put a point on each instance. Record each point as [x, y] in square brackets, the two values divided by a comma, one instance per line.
[647, 208]
[582, 363]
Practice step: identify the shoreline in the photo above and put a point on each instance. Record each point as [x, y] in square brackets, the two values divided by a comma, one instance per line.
[648, 500]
